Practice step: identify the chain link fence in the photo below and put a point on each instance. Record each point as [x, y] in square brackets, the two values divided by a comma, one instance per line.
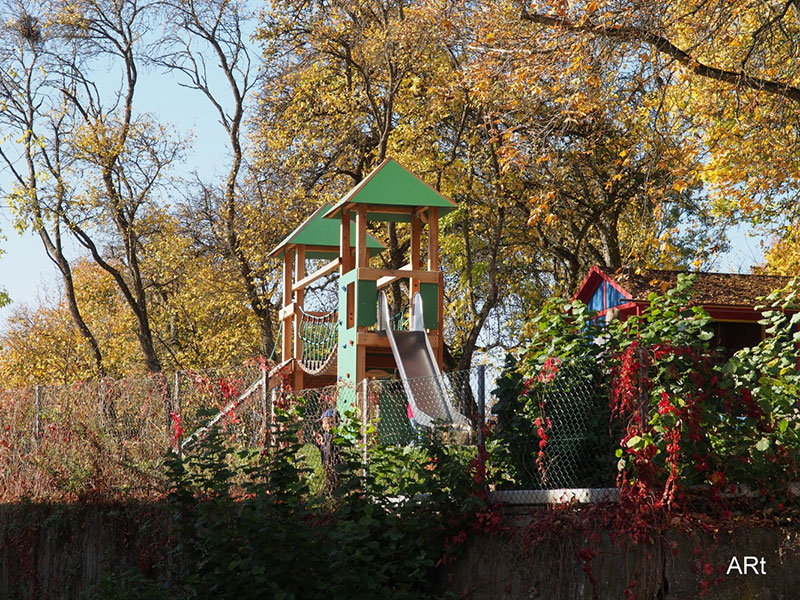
[109, 438]
[553, 438]
[385, 417]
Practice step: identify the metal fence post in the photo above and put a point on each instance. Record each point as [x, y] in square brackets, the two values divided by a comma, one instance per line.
[176, 409]
[364, 418]
[272, 425]
[176, 394]
[37, 425]
[264, 425]
[482, 456]
[481, 403]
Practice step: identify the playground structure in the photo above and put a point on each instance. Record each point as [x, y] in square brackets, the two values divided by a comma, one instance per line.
[360, 339]
[357, 340]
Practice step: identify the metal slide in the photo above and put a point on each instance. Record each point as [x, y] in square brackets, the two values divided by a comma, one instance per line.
[426, 389]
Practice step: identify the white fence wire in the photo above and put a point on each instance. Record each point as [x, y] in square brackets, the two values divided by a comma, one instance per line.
[111, 437]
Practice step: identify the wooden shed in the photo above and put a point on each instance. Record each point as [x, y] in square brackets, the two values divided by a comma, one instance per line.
[729, 298]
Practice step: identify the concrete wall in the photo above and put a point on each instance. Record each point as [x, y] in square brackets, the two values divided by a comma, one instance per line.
[673, 566]
[54, 552]
[60, 552]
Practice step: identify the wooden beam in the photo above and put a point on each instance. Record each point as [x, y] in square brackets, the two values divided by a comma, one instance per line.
[416, 239]
[287, 312]
[378, 340]
[376, 274]
[362, 254]
[386, 276]
[318, 274]
[299, 273]
[388, 210]
[316, 248]
[286, 340]
[361, 363]
[344, 243]
[422, 277]
[373, 339]
[287, 278]
[299, 268]
[433, 240]
[286, 323]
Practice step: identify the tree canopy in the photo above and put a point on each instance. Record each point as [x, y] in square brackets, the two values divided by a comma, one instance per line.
[568, 134]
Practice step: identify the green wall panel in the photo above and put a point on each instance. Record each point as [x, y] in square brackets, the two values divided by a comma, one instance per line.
[430, 304]
[366, 302]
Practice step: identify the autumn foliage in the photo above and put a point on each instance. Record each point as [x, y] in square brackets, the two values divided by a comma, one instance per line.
[569, 134]
[683, 419]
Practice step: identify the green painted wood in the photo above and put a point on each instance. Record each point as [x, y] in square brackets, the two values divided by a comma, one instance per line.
[390, 184]
[430, 304]
[318, 231]
[366, 303]
[348, 355]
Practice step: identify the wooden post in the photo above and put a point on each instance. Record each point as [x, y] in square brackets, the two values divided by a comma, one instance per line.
[286, 333]
[299, 273]
[433, 239]
[347, 265]
[416, 259]
[362, 261]
[344, 242]
[361, 363]
[362, 255]
[433, 265]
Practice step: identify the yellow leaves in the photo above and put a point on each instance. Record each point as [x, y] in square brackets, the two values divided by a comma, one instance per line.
[612, 180]
[542, 210]
[24, 138]
[680, 185]
[783, 256]
[416, 85]
[97, 138]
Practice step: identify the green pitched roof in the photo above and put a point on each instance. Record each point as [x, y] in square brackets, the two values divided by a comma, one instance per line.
[390, 184]
[317, 231]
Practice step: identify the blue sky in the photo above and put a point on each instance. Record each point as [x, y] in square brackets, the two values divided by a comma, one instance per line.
[25, 271]
[27, 274]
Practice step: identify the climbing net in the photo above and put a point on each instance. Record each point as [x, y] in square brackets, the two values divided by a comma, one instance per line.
[318, 341]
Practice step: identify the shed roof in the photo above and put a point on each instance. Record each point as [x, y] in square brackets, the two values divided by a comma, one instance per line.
[723, 289]
[390, 184]
[320, 232]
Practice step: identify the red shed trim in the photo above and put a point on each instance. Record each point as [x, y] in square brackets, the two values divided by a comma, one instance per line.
[725, 285]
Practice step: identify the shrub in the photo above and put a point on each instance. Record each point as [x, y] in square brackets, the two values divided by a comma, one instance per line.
[248, 525]
[677, 411]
